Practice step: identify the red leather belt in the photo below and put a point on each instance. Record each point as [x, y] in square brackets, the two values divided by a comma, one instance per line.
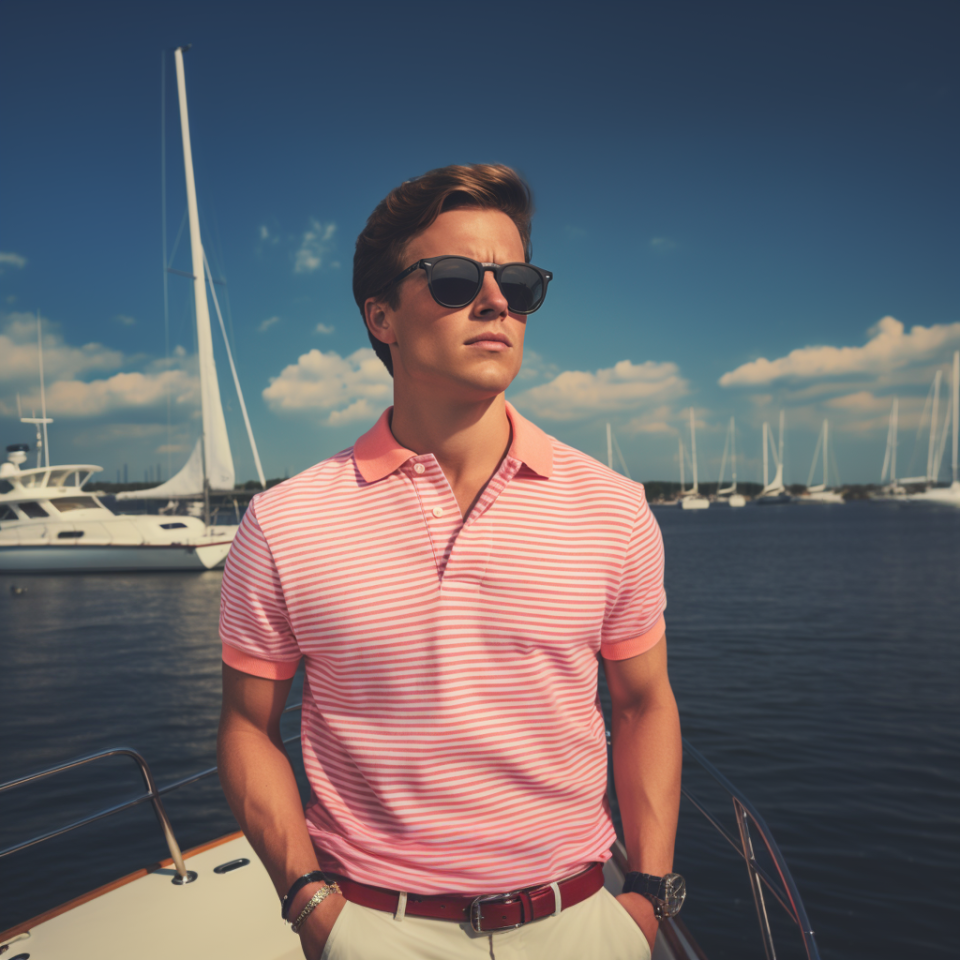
[487, 912]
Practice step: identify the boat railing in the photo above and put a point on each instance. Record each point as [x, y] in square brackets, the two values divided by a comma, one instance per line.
[152, 794]
[750, 827]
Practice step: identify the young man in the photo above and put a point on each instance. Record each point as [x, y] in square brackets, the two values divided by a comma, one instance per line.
[450, 582]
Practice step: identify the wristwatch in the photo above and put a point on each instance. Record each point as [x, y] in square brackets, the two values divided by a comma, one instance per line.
[666, 893]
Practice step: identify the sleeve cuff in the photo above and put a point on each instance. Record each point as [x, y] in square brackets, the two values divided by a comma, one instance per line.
[267, 669]
[635, 645]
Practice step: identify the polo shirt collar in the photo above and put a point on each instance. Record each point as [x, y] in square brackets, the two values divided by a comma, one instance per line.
[377, 453]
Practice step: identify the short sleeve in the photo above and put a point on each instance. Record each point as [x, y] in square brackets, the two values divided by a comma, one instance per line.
[254, 624]
[634, 621]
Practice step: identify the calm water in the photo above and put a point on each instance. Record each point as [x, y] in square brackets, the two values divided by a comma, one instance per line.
[814, 652]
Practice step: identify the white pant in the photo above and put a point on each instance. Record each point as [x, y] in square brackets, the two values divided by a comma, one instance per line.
[598, 927]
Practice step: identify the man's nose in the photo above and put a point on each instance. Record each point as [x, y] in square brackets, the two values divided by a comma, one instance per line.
[490, 300]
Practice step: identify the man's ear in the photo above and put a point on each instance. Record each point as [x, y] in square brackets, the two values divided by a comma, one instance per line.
[377, 317]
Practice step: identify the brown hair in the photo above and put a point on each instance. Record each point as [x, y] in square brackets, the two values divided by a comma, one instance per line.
[410, 208]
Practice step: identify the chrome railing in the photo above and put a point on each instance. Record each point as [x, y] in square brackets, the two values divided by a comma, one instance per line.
[153, 795]
[749, 823]
[782, 886]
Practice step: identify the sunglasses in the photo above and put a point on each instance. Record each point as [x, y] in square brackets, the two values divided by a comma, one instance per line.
[455, 281]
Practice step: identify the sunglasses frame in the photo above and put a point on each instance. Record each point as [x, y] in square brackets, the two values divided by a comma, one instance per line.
[497, 269]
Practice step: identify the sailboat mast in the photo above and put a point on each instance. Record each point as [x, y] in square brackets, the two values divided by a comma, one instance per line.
[934, 416]
[682, 479]
[609, 447]
[893, 441]
[43, 393]
[693, 449]
[826, 434]
[766, 469]
[956, 410]
[780, 455]
[733, 452]
[217, 463]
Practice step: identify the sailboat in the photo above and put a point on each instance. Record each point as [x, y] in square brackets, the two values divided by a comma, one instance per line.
[691, 499]
[819, 493]
[729, 495]
[611, 446]
[773, 491]
[893, 490]
[946, 495]
[209, 468]
[49, 522]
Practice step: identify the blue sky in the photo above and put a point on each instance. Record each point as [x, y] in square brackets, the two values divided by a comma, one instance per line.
[717, 185]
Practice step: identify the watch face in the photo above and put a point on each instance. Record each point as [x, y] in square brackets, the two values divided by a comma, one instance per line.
[674, 889]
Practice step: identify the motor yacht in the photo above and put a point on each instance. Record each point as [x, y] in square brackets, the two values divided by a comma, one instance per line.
[50, 522]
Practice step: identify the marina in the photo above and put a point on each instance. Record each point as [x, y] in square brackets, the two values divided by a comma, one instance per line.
[811, 697]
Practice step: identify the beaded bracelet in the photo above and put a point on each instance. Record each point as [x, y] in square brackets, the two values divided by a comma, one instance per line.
[313, 903]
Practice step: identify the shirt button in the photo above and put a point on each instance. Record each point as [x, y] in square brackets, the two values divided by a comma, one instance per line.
[419, 468]
[438, 511]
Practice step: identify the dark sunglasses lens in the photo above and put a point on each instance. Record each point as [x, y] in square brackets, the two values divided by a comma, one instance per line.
[523, 288]
[454, 282]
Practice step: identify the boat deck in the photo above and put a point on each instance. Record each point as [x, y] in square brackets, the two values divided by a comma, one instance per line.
[232, 913]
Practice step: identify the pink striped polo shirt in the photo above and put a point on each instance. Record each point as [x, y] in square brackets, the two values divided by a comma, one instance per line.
[452, 733]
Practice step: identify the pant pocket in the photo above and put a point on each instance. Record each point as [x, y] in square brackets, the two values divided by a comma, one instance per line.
[626, 938]
[330, 949]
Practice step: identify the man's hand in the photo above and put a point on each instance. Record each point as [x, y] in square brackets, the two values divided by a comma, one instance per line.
[316, 928]
[641, 909]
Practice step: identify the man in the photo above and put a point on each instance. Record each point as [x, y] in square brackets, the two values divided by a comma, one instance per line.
[450, 582]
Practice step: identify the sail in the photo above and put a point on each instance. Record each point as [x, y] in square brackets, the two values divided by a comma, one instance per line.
[187, 483]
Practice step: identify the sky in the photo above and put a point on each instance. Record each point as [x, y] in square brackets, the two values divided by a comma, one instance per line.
[747, 207]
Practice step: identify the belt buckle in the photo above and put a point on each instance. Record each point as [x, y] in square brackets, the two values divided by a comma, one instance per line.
[476, 920]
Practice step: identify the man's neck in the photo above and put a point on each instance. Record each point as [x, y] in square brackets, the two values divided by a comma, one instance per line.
[469, 440]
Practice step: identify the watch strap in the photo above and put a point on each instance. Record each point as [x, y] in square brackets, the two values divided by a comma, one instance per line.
[646, 884]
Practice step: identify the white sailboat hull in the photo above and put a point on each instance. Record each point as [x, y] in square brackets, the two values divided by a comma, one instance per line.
[821, 496]
[734, 500]
[945, 495]
[110, 558]
[694, 503]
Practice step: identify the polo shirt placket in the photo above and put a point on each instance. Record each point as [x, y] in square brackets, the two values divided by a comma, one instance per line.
[461, 550]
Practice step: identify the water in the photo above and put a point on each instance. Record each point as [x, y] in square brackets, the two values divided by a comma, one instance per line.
[814, 652]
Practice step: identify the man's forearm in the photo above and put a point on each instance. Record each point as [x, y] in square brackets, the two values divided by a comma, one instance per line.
[647, 760]
[260, 787]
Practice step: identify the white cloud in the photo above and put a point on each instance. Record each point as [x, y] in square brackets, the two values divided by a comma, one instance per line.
[346, 389]
[121, 392]
[314, 246]
[18, 353]
[888, 349]
[536, 367]
[12, 260]
[268, 323]
[324, 329]
[622, 388]
[69, 394]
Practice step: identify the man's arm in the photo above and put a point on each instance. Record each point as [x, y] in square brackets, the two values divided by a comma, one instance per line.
[647, 759]
[260, 787]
